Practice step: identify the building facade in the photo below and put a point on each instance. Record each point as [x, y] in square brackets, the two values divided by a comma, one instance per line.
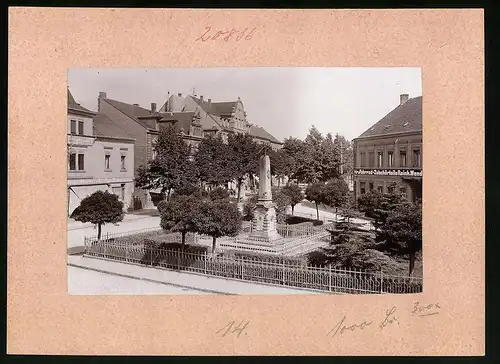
[97, 158]
[193, 116]
[388, 156]
[218, 117]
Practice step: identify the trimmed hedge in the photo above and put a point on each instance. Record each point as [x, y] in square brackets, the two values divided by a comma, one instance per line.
[293, 220]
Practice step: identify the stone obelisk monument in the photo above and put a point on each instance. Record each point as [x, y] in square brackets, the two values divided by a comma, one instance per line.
[264, 221]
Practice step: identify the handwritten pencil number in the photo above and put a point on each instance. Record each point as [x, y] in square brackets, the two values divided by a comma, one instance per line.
[230, 329]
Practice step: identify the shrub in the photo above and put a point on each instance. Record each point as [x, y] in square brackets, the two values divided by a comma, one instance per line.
[218, 193]
[293, 220]
[248, 208]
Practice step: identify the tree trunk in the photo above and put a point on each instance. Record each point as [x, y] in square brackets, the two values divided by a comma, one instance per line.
[168, 194]
[412, 263]
[239, 189]
[279, 182]
[293, 206]
[214, 242]
[317, 211]
[183, 234]
[99, 226]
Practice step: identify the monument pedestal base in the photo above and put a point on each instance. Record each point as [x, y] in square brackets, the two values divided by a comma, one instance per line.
[264, 223]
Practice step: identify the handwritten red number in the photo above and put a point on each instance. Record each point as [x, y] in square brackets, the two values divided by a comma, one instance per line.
[231, 33]
[227, 35]
[219, 33]
[208, 29]
[249, 35]
[241, 35]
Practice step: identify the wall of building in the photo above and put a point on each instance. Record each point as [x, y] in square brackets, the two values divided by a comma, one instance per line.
[96, 176]
[394, 144]
[133, 129]
[87, 124]
[239, 120]
[367, 157]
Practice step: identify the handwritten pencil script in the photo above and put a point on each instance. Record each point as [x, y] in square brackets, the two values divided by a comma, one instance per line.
[233, 34]
[231, 329]
[388, 318]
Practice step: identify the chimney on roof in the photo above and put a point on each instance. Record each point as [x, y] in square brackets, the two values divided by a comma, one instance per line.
[153, 107]
[403, 98]
[209, 102]
[201, 98]
[179, 94]
[102, 95]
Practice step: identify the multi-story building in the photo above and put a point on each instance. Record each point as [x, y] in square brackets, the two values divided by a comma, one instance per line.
[192, 116]
[388, 156]
[219, 117]
[100, 157]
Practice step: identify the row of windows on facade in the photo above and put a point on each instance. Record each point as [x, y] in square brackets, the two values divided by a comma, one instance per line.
[379, 162]
[73, 128]
[77, 162]
[380, 189]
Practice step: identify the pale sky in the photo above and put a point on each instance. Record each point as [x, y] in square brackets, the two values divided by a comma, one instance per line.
[285, 101]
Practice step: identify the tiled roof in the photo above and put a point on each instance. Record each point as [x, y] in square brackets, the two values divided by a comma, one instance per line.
[183, 119]
[259, 132]
[406, 117]
[73, 105]
[218, 109]
[223, 108]
[105, 126]
[132, 111]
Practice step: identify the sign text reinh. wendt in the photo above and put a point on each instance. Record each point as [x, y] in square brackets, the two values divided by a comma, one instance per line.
[389, 172]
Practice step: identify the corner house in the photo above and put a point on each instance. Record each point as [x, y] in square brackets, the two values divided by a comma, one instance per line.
[388, 156]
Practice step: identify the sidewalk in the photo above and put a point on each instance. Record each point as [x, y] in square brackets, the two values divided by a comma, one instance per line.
[187, 280]
[311, 212]
[131, 223]
[75, 225]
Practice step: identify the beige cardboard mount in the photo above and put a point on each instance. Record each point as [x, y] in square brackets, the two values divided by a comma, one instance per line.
[447, 44]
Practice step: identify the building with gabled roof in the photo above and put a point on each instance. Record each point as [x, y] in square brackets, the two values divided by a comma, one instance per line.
[100, 156]
[388, 156]
[193, 116]
[220, 117]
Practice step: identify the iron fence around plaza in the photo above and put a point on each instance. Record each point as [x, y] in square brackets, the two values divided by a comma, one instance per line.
[137, 237]
[282, 273]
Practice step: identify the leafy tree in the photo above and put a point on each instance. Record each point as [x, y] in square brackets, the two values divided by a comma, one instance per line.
[378, 206]
[309, 160]
[218, 193]
[178, 214]
[211, 162]
[335, 193]
[344, 154]
[294, 192]
[99, 208]
[171, 167]
[330, 159]
[243, 159]
[188, 189]
[293, 148]
[281, 201]
[404, 226]
[281, 164]
[217, 218]
[315, 193]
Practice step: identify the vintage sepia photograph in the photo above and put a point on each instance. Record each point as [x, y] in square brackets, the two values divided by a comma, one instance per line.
[244, 181]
